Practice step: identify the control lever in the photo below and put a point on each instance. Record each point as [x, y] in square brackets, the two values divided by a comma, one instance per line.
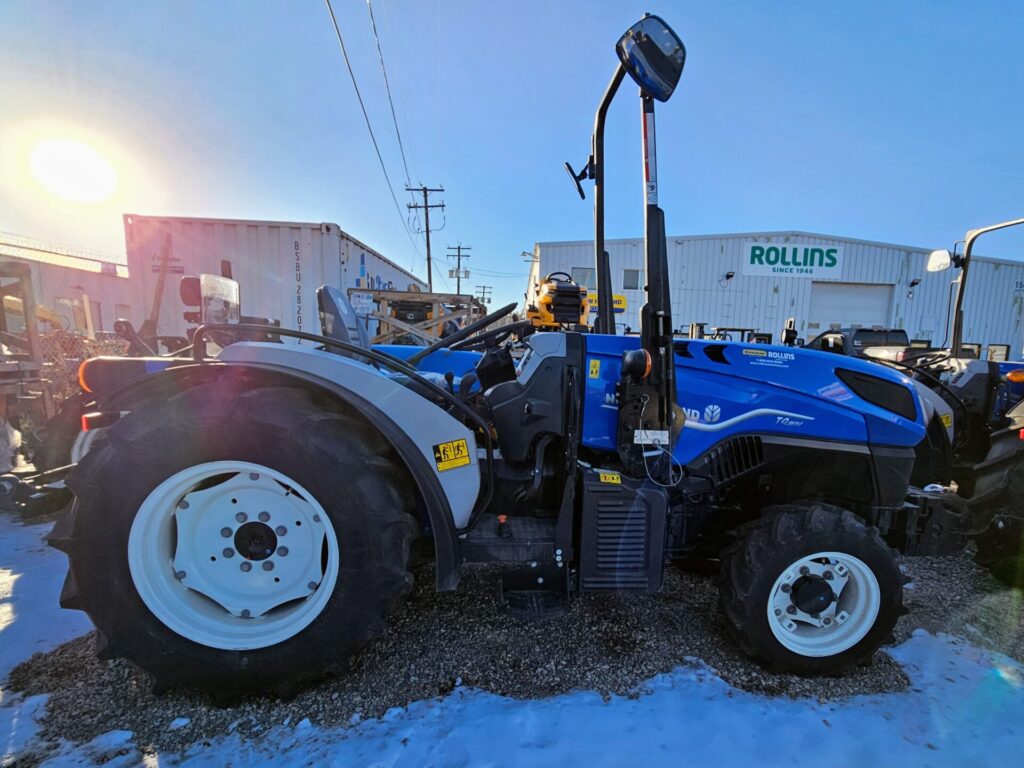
[136, 346]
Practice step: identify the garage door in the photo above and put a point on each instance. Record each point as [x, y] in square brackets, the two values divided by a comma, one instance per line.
[863, 304]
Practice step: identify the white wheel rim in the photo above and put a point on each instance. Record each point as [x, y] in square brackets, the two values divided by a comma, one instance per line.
[853, 595]
[199, 558]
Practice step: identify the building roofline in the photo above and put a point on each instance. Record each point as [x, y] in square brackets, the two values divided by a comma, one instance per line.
[778, 233]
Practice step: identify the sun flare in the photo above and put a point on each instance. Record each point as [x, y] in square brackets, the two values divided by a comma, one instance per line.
[73, 170]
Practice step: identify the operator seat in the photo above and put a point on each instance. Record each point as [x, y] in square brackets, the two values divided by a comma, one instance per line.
[338, 319]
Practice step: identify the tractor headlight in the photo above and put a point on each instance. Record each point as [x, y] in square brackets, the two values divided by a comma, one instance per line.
[885, 394]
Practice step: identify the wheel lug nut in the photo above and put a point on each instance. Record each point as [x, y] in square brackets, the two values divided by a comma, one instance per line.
[268, 565]
[225, 532]
[282, 551]
[241, 517]
[264, 516]
[826, 622]
[280, 530]
[791, 609]
[778, 611]
[828, 575]
[786, 588]
[804, 570]
[246, 566]
[228, 552]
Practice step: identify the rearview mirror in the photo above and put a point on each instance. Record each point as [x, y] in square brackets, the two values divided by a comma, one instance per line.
[653, 55]
[939, 260]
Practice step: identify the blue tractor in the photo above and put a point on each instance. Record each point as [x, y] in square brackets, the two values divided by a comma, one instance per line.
[246, 519]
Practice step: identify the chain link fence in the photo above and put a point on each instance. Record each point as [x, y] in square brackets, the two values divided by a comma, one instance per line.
[63, 352]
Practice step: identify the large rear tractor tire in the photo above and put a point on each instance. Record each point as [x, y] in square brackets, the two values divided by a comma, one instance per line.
[810, 589]
[238, 539]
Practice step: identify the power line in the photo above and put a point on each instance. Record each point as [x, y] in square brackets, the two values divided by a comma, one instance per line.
[366, 117]
[387, 87]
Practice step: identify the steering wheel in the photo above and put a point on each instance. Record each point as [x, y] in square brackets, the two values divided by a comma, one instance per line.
[462, 333]
[493, 337]
[566, 275]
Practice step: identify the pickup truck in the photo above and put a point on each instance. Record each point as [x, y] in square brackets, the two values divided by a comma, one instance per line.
[880, 343]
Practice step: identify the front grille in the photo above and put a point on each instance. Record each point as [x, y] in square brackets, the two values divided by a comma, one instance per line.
[733, 458]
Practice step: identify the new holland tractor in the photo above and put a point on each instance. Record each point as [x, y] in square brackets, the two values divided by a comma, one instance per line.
[246, 520]
[975, 442]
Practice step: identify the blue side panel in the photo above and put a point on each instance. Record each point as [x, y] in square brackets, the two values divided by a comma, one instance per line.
[441, 361]
[749, 389]
[1015, 392]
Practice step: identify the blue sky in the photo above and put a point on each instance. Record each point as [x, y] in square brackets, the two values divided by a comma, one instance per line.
[890, 121]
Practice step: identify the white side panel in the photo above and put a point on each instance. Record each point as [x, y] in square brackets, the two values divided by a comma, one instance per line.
[850, 304]
[426, 424]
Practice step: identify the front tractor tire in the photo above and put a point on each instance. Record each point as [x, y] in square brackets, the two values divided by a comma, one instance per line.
[238, 538]
[810, 589]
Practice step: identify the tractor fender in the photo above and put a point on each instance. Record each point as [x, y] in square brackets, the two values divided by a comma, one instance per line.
[441, 510]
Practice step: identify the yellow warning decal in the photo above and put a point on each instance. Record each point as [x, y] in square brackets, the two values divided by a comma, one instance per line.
[947, 420]
[610, 477]
[755, 353]
[595, 369]
[450, 455]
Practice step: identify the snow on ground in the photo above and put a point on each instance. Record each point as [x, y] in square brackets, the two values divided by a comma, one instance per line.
[965, 706]
[31, 577]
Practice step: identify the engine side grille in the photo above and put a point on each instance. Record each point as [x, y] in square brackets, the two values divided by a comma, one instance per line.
[734, 457]
[622, 535]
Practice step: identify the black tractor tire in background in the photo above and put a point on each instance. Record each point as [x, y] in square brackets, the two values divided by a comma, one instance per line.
[336, 456]
[766, 547]
[59, 434]
[1001, 545]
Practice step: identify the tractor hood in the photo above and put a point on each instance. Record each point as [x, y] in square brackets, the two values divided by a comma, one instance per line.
[728, 389]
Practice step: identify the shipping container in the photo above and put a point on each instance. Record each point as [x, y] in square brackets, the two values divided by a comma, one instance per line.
[759, 279]
[278, 265]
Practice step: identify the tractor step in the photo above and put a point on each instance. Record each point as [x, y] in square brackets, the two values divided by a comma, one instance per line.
[535, 591]
[499, 538]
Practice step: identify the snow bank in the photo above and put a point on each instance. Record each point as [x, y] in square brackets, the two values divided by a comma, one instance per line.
[31, 577]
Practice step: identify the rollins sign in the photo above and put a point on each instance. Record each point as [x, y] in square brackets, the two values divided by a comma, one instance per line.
[792, 260]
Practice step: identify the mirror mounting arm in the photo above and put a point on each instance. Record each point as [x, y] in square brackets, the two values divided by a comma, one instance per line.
[605, 322]
[958, 312]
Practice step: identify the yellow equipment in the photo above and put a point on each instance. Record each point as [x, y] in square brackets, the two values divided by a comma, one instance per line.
[561, 301]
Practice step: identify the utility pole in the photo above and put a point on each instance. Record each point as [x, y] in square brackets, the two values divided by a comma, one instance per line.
[483, 292]
[459, 256]
[426, 206]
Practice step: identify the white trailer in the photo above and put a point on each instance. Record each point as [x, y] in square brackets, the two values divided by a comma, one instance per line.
[279, 265]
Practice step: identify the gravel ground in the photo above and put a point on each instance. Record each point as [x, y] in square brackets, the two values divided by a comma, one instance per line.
[607, 643]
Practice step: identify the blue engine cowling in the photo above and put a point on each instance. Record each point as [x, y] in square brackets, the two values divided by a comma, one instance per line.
[728, 389]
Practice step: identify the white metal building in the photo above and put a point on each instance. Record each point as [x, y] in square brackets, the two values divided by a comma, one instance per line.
[85, 290]
[759, 279]
[278, 265]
